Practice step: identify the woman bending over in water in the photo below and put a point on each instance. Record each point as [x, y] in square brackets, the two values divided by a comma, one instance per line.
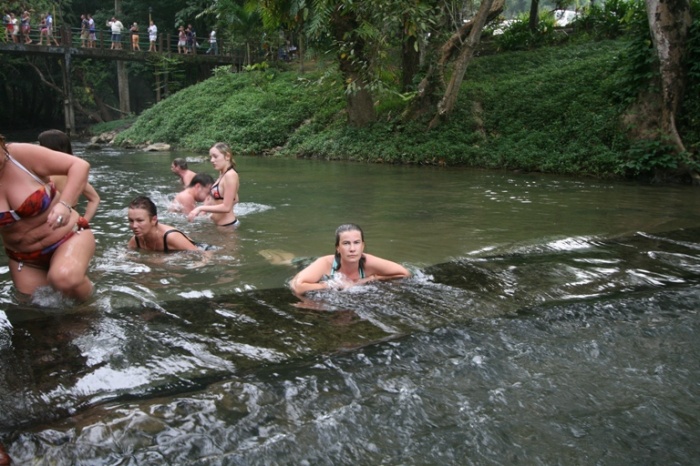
[349, 266]
[151, 235]
[223, 194]
[47, 242]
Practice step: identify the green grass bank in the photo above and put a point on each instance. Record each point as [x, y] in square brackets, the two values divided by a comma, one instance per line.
[550, 110]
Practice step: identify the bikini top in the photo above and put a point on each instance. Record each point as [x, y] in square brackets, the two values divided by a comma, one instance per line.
[165, 239]
[214, 191]
[34, 204]
[336, 266]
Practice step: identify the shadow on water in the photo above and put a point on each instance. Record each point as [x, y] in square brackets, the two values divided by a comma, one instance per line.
[566, 352]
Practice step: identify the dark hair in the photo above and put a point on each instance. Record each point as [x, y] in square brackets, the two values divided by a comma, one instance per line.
[181, 163]
[225, 149]
[342, 229]
[57, 140]
[144, 202]
[203, 179]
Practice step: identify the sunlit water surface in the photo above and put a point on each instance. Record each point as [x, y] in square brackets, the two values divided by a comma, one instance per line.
[549, 320]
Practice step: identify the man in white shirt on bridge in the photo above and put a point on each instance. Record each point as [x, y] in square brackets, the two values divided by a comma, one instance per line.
[117, 28]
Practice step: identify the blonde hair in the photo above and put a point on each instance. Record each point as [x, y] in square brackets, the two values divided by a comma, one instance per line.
[225, 149]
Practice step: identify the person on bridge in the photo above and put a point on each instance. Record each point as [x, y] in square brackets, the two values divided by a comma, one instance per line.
[181, 40]
[83, 30]
[135, 37]
[213, 48]
[117, 27]
[13, 28]
[91, 31]
[49, 25]
[43, 31]
[152, 37]
[25, 27]
[46, 241]
[348, 267]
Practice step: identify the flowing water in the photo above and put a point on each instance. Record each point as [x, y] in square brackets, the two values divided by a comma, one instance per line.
[549, 320]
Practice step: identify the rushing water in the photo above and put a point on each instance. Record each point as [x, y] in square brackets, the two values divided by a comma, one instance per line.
[549, 321]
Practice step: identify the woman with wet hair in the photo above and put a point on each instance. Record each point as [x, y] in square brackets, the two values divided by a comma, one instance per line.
[149, 234]
[349, 266]
[59, 141]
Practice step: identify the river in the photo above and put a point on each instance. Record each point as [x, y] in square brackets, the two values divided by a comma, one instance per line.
[549, 320]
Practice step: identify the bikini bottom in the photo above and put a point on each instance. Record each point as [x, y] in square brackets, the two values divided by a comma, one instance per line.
[235, 224]
[42, 258]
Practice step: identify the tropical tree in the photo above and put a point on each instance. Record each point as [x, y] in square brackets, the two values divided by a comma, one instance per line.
[669, 23]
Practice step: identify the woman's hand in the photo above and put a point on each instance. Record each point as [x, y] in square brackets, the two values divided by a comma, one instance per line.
[193, 214]
[60, 215]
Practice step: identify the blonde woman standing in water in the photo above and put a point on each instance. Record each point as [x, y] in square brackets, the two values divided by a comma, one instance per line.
[223, 195]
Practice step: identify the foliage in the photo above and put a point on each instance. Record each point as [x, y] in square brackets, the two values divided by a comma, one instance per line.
[607, 20]
[637, 64]
[518, 35]
[234, 107]
[545, 110]
[116, 125]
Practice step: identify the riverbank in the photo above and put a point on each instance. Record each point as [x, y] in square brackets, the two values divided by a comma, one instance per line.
[550, 110]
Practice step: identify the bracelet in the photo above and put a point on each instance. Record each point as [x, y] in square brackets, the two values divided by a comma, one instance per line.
[70, 209]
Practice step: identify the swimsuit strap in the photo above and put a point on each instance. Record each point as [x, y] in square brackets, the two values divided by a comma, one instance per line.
[26, 170]
[174, 230]
[336, 266]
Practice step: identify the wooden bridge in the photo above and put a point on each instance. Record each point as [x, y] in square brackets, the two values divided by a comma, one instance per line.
[166, 46]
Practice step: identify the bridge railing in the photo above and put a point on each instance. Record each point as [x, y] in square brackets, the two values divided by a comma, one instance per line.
[165, 43]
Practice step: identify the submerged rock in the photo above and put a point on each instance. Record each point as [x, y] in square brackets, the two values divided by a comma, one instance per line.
[157, 147]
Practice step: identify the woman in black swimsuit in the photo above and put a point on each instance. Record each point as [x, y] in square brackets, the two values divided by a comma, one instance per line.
[151, 235]
[224, 192]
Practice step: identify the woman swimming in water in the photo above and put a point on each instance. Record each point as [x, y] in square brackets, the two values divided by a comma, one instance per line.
[223, 195]
[349, 266]
[151, 235]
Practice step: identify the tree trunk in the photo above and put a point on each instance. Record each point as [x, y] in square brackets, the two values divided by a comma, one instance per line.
[410, 60]
[534, 15]
[669, 21]
[123, 85]
[433, 82]
[447, 103]
[360, 105]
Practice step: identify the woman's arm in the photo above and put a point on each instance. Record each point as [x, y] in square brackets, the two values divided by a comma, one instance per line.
[93, 200]
[309, 279]
[377, 268]
[230, 188]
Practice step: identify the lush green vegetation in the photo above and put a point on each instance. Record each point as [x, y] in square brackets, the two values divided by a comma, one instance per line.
[546, 110]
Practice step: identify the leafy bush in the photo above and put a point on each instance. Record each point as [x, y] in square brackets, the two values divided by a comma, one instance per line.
[518, 35]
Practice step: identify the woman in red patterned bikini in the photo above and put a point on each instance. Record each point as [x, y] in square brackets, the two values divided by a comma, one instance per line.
[46, 241]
